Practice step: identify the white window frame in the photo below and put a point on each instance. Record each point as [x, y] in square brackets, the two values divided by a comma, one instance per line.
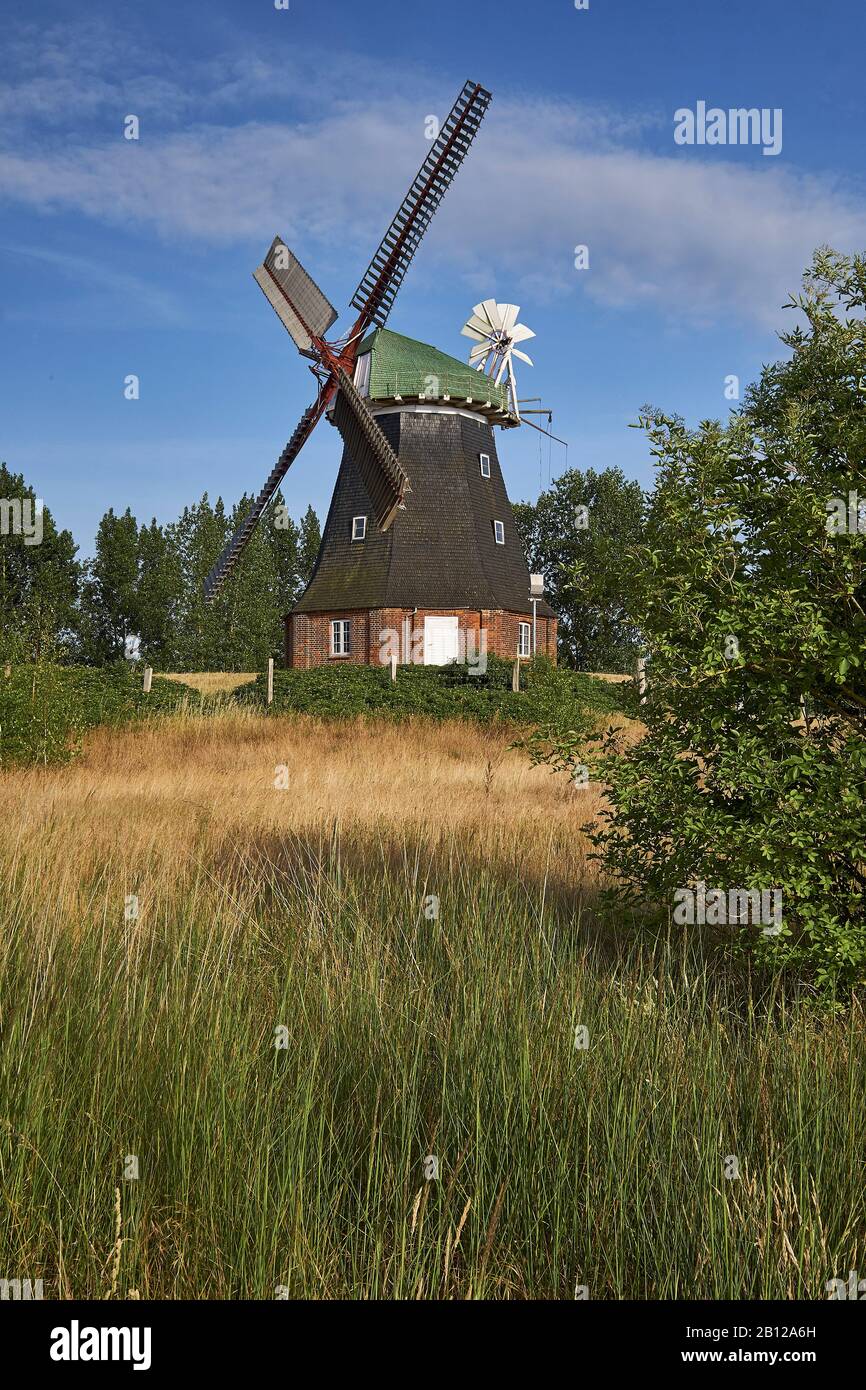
[341, 636]
[499, 532]
[356, 535]
[482, 459]
[524, 639]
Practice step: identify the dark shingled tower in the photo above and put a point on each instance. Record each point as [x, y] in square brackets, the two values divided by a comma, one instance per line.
[444, 558]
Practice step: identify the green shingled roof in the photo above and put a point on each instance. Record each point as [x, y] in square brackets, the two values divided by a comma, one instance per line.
[403, 367]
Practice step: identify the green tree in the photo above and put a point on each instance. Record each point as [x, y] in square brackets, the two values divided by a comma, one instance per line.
[39, 575]
[108, 613]
[249, 600]
[196, 539]
[576, 535]
[159, 596]
[752, 598]
[308, 546]
[285, 538]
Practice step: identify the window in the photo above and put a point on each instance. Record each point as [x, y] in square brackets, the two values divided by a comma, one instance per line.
[359, 528]
[340, 629]
[523, 640]
[499, 532]
[362, 374]
[485, 465]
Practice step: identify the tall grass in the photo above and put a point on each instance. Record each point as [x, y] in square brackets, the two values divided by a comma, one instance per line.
[409, 1032]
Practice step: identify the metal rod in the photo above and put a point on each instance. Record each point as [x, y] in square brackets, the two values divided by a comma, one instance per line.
[533, 426]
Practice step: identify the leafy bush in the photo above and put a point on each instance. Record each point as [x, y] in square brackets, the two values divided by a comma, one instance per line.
[753, 605]
[45, 710]
[440, 692]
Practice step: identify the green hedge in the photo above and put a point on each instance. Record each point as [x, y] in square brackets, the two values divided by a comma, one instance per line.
[441, 692]
[45, 710]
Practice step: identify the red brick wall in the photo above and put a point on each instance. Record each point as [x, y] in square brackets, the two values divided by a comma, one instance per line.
[308, 635]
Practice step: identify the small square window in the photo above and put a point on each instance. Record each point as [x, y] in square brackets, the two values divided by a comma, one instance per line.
[523, 640]
[359, 528]
[485, 465]
[340, 637]
[499, 532]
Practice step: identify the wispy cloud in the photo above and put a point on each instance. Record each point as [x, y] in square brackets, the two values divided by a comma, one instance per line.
[105, 287]
[694, 237]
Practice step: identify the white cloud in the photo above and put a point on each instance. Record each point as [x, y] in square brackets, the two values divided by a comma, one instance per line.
[695, 236]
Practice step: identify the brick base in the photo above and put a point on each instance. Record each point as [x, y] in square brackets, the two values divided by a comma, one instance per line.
[376, 633]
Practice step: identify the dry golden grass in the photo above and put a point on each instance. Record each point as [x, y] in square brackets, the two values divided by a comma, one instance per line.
[211, 682]
[176, 794]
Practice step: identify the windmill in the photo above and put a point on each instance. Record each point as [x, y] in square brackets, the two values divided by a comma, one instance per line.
[308, 315]
[495, 330]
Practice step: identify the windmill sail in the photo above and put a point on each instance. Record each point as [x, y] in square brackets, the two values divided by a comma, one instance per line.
[229, 557]
[307, 315]
[384, 275]
[297, 299]
[370, 452]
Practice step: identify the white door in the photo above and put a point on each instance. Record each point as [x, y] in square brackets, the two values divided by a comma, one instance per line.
[441, 641]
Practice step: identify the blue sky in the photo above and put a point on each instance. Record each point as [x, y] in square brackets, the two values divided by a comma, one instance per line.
[121, 257]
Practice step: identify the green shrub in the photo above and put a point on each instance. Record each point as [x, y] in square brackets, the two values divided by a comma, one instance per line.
[45, 710]
[753, 606]
[440, 692]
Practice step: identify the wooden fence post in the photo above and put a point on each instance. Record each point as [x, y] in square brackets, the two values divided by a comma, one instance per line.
[641, 678]
[515, 675]
[393, 666]
[270, 680]
[148, 677]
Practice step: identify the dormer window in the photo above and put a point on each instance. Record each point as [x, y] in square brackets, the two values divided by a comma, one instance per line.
[359, 528]
[499, 532]
[484, 460]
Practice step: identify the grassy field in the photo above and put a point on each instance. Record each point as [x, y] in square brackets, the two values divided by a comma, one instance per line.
[413, 917]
